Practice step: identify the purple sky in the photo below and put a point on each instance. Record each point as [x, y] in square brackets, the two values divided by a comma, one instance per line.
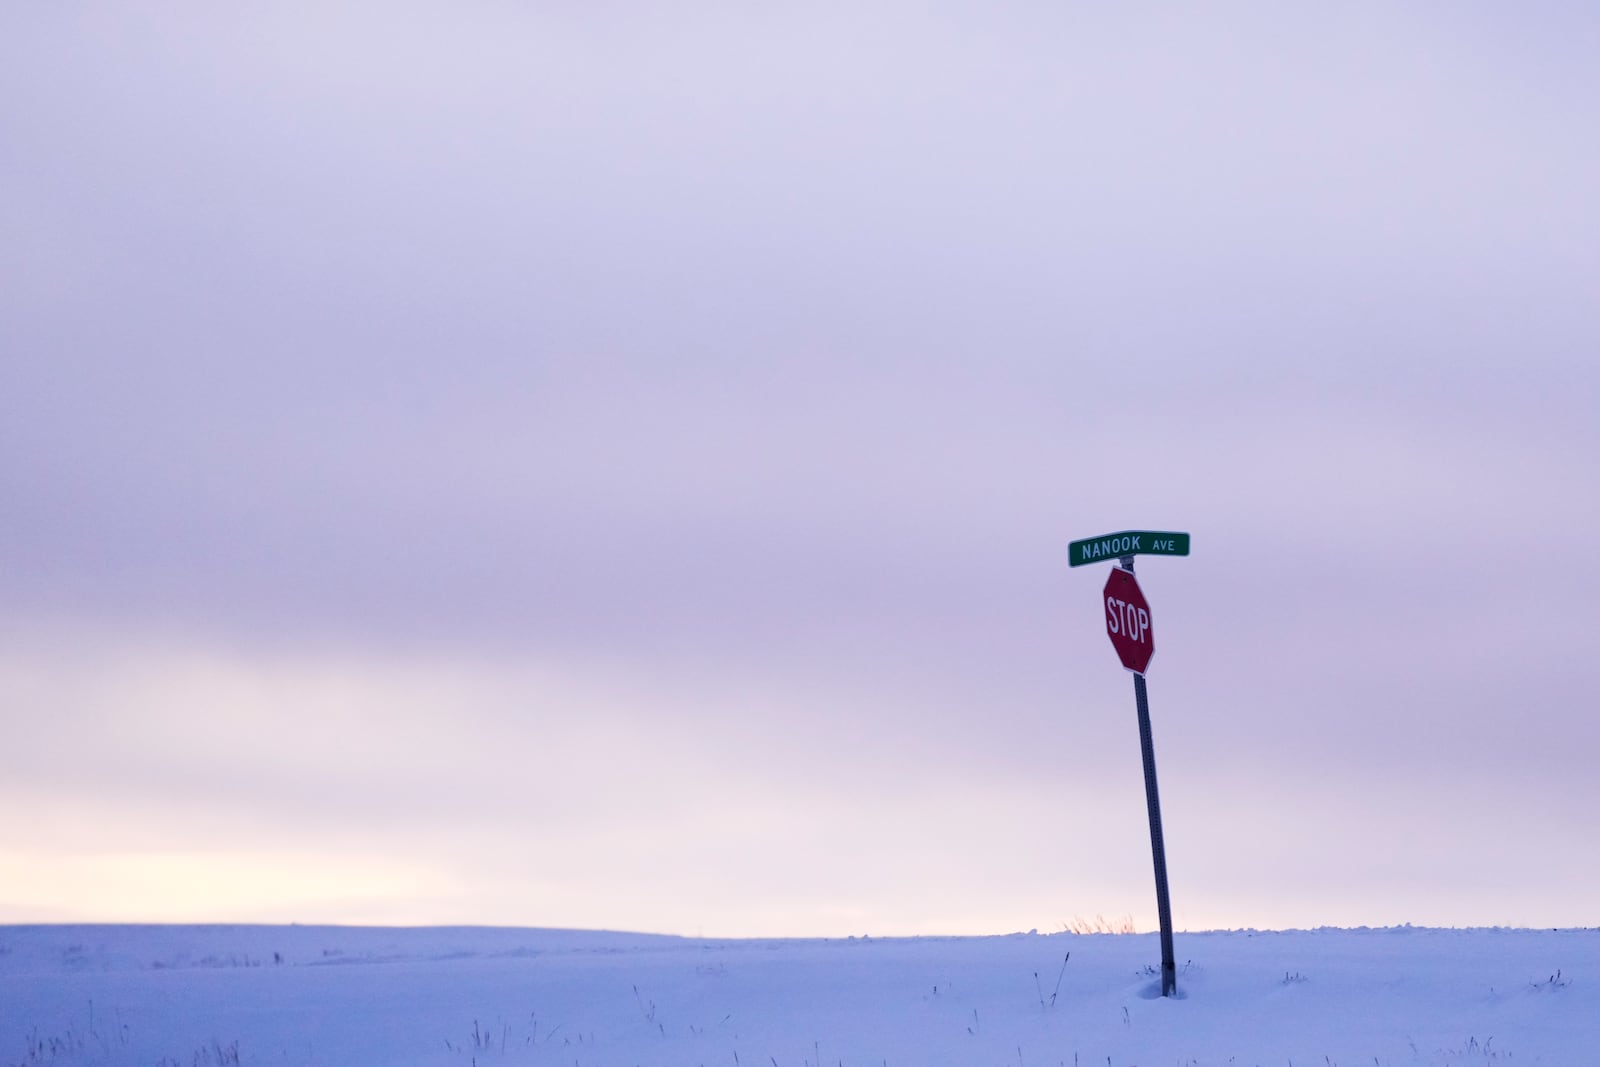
[601, 468]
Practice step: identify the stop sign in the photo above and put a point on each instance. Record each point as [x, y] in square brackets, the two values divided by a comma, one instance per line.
[1128, 620]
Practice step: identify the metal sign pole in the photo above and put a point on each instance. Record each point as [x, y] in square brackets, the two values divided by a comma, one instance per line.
[1158, 848]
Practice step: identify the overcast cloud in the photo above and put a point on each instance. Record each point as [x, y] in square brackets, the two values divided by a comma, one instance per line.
[578, 465]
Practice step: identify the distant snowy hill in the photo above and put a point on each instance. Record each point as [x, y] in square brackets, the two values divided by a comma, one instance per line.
[193, 996]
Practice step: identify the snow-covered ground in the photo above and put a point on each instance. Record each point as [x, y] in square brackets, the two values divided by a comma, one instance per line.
[187, 996]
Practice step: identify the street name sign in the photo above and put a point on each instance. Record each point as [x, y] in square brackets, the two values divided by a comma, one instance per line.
[1127, 543]
[1128, 620]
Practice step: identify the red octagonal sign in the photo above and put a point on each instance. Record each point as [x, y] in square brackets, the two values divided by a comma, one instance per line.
[1128, 620]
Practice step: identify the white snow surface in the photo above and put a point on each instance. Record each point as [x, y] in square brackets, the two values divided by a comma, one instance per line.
[194, 996]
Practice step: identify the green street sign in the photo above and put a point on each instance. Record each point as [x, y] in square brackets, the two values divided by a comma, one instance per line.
[1127, 543]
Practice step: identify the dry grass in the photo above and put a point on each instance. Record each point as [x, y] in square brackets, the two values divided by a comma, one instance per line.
[1100, 925]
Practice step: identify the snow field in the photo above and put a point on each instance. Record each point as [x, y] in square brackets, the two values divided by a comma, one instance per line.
[191, 996]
